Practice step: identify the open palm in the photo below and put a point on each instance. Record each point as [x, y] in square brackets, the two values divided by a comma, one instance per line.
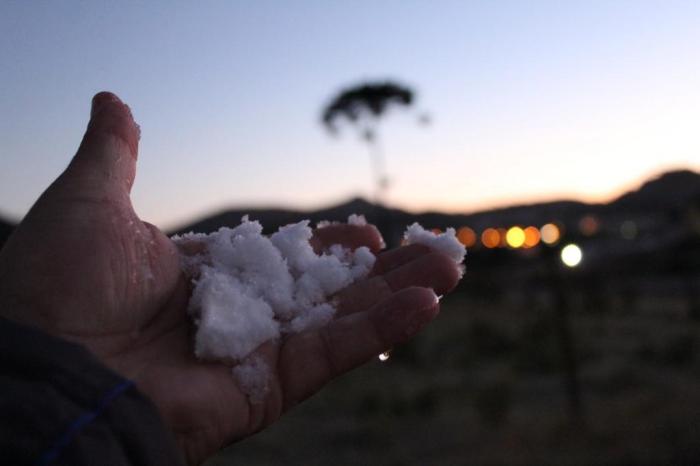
[84, 267]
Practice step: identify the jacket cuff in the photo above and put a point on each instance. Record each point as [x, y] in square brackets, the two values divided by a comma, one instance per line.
[60, 405]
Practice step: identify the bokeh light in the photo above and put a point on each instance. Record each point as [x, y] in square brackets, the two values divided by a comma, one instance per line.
[491, 238]
[466, 236]
[571, 255]
[550, 233]
[532, 237]
[502, 235]
[589, 225]
[628, 230]
[515, 237]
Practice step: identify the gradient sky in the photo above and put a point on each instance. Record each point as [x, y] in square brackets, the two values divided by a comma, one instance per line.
[529, 100]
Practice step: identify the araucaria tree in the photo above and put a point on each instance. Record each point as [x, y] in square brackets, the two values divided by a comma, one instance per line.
[363, 106]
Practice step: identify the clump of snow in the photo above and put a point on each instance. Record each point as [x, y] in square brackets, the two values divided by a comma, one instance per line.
[353, 219]
[326, 223]
[446, 243]
[253, 376]
[250, 288]
[358, 220]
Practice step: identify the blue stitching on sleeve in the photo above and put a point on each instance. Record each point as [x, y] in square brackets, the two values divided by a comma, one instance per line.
[81, 422]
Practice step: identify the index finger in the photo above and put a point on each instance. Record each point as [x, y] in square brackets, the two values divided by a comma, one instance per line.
[311, 359]
[349, 236]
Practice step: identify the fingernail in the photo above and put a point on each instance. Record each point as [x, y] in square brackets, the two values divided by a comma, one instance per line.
[100, 101]
[402, 323]
[382, 243]
[416, 320]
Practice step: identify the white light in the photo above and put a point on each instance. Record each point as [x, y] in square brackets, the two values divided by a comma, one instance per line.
[550, 233]
[571, 255]
[384, 356]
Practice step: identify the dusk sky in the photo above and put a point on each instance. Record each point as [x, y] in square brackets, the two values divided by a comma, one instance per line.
[529, 101]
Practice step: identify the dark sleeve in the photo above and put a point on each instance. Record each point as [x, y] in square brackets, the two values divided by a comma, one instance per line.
[59, 405]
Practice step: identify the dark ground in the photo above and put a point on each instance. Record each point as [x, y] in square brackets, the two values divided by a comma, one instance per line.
[485, 384]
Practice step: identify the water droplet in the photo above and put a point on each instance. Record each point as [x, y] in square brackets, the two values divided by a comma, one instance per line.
[385, 356]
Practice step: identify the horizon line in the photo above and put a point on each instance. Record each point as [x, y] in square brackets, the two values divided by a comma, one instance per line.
[494, 205]
[481, 207]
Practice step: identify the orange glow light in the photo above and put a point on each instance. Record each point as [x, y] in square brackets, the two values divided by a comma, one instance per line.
[550, 233]
[466, 236]
[515, 237]
[532, 237]
[491, 238]
[589, 225]
[502, 233]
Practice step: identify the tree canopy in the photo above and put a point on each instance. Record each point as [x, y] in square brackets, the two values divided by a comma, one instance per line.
[367, 99]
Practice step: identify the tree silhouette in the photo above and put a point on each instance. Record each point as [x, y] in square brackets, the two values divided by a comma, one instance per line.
[362, 106]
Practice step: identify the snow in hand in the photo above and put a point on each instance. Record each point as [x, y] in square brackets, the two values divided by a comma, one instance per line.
[447, 242]
[250, 288]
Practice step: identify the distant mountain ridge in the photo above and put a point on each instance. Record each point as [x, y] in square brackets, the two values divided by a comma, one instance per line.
[6, 229]
[669, 191]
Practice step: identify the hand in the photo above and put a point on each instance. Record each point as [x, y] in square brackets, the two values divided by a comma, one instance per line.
[84, 267]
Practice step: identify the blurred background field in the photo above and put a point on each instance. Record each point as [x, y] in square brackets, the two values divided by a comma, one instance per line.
[484, 385]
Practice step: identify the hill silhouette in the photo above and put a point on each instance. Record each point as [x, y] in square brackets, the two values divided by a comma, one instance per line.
[668, 194]
[6, 229]
[669, 191]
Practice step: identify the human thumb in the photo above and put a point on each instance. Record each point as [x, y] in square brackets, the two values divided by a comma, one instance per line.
[105, 163]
